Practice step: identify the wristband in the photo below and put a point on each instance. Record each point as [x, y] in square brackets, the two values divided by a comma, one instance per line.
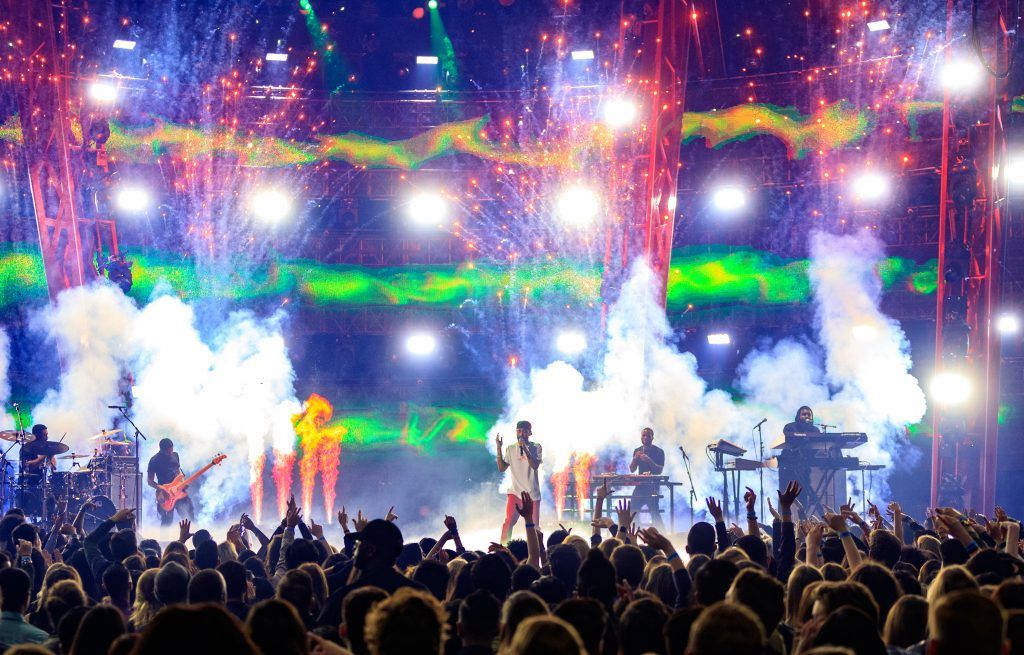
[971, 547]
[672, 557]
[845, 533]
[751, 516]
[530, 525]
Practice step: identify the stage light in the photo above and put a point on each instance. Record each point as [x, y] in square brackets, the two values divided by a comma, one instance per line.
[1015, 173]
[1008, 324]
[618, 112]
[864, 332]
[132, 199]
[420, 344]
[429, 60]
[582, 55]
[719, 339]
[432, 4]
[728, 198]
[270, 205]
[103, 92]
[122, 44]
[578, 205]
[870, 186]
[961, 75]
[571, 342]
[427, 209]
[950, 388]
[878, 25]
[277, 56]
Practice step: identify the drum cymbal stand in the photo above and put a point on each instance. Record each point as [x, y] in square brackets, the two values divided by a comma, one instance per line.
[20, 441]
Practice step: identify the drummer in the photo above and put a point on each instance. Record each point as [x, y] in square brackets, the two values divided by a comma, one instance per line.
[31, 463]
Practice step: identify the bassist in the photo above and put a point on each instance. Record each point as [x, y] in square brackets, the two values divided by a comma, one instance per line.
[163, 468]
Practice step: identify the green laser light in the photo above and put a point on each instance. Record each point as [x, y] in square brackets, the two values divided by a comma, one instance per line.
[431, 4]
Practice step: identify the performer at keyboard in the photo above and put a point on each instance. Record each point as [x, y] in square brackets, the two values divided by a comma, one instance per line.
[523, 458]
[648, 459]
[803, 423]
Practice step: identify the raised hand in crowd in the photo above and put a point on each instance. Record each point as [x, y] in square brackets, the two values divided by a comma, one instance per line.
[391, 516]
[715, 509]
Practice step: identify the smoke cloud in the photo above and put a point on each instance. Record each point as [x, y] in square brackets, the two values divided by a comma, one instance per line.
[6, 421]
[230, 393]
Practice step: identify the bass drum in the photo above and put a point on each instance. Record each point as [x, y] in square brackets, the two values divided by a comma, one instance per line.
[103, 510]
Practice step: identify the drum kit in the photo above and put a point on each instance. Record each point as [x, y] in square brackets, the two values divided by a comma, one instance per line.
[107, 477]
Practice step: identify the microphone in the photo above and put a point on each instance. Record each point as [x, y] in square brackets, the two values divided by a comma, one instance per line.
[16, 405]
[763, 421]
[116, 407]
[683, 452]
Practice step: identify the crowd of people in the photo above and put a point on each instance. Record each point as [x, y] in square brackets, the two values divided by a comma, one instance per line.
[834, 584]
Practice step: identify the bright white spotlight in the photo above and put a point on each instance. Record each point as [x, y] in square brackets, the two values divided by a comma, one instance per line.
[870, 186]
[950, 388]
[571, 342]
[719, 339]
[123, 44]
[270, 205]
[103, 92]
[728, 198]
[132, 199]
[961, 75]
[582, 55]
[578, 205]
[618, 112]
[879, 25]
[421, 344]
[427, 209]
[429, 60]
[1008, 324]
[1015, 172]
[277, 56]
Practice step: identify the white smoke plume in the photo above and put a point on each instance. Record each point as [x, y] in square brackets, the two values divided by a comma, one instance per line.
[644, 382]
[6, 421]
[860, 380]
[233, 394]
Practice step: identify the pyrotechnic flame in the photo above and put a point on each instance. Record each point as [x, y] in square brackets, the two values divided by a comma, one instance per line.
[321, 450]
[560, 482]
[283, 464]
[581, 466]
[256, 465]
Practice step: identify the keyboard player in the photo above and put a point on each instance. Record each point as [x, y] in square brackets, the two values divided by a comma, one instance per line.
[648, 459]
[803, 423]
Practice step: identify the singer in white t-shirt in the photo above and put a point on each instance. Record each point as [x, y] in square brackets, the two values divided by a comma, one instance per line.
[522, 459]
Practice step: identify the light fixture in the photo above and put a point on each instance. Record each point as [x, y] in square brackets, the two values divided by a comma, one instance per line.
[961, 76]
[427, 209]
[123, 44]
[618, 112]
[132, 199]
[1008, 324]
[429, 60]
[432, 4]
[103, 92]
[420, 344]
[878, 25]
[577, 205]
[870, 186]
[1015, 173]
[728, 198]
[719, 339]
[582, 55]
[950, 388]
[571, 342]
[270, 205]
[277, 56]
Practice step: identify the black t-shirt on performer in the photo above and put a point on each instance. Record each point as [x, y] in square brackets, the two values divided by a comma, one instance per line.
[166, 467]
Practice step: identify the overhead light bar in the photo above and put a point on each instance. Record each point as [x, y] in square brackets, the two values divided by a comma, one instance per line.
[582, 55]
[719, 339]
[879, 25]
[122, 44]
[277, 56]
[430, 60]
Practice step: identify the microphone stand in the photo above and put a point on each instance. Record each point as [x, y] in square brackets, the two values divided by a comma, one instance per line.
[138, 465]
[693, 492]
[760, 459]
[19, 441]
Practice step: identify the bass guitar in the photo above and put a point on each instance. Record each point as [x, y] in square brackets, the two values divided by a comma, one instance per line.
[169, 494]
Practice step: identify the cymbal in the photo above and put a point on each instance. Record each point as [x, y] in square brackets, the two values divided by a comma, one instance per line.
[114, 443]
[75, 456]
[46, 448]
[14, 435]
[104, 434]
